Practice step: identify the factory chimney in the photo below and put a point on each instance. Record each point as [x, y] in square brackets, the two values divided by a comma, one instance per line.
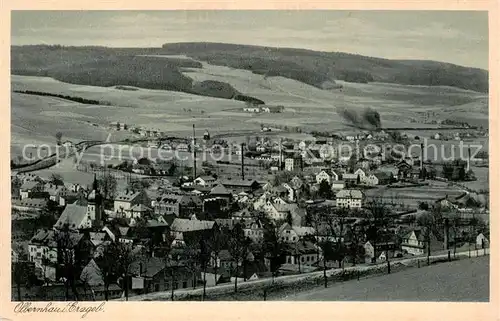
[468, 160]
[421, 156]
[194, 153]
[281, 156]
[242, 162]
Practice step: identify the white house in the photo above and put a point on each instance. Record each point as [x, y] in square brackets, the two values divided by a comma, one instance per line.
[338, 185]
[482, 241]
[124, 201]
[413, 243]
[207, 180]
[371, 180]
[292, 234]
[361, 174]
[291, 192]
[351, 198]
[326, 176]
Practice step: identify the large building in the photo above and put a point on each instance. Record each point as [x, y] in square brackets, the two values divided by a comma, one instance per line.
[350, 198]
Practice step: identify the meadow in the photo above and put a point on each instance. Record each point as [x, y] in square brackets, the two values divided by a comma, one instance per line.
[36, 119]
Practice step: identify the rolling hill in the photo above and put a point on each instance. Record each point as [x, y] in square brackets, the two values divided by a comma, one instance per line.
[101, 66]
[316, 68]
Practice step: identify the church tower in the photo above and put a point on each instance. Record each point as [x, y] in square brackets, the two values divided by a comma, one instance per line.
[94, 205]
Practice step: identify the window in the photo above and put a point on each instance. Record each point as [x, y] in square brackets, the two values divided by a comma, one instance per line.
[157, 287]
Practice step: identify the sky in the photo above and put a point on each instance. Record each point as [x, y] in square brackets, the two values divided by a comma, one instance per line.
[459, 37]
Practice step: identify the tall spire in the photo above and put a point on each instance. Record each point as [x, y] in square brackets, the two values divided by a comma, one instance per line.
[94, 184]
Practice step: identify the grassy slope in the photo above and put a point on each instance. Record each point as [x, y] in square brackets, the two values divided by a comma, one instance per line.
[99, 66]
[464, 280]
[314, 68]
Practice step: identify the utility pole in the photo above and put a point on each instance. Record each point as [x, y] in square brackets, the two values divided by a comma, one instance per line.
[194, 153]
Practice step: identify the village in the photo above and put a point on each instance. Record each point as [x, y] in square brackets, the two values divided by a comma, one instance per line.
[273, 207]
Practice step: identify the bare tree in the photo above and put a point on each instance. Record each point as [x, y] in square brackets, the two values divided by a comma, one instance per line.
[125, 255]
[58, 138]
[66, 256]
[107, 186]
[238, 247]
[379, 223]
[217, 243]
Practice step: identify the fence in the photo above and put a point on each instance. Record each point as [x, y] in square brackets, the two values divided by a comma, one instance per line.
[258, 289]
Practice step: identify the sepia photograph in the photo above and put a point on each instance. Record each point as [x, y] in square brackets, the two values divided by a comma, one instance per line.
[249, 155]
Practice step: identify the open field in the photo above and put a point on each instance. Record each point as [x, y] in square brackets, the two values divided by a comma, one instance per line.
[35, 119]
[464, 280]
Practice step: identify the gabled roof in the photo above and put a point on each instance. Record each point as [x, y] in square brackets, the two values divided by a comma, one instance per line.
[219, 190]
[127, 196]
[350, 193]
[382, 175]
[72, 216]
[206, 177]
[150, 266]
[29, 185]
[50, 238]
[97, 238]
[244, 213]
[31, 202]
[349, 176]
[239, 182]
[139, 208]
[186, 225]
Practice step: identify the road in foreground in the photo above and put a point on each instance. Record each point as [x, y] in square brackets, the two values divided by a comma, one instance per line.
[463, 280]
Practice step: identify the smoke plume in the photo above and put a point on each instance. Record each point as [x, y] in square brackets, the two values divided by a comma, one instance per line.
[368, 118]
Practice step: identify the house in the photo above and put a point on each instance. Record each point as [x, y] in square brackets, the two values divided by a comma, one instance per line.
[303, 253]
[383, 178]
[391, 170]
[289, 233]
[46, 248]
[350, 198]
[272, 109]
[378, 253]
[57, 193]
[207, 181]
[182, 227]
[338, 185]
[326, 176]
[254, 230]
[243, 215]
[181, 205]
[138, 211]
[482, 242]
[153, 274]
[252, 109]
[296, 182]
[361, 174]
[290, 192]
[415, 242]
[29, 187]
[29, 204]
[350, 179]
[283, 211]
[293, 163]
[125, 200]
[223, 259]
[92, 277]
